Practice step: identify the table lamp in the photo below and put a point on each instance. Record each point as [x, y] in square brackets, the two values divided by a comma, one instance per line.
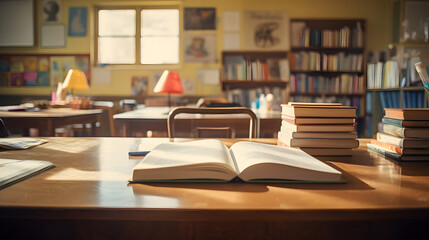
[75, 79]
[169, 83]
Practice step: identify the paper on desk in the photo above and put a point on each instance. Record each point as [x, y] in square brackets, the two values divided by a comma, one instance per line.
[20, 143]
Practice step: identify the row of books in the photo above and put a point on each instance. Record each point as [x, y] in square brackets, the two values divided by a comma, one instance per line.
[236, 68]
[303, 36]
[383, 75]
[314, 61]
[245, 97]
[344, 83]
[354, 101]
[410, 99]
[404, 135]
[318, 129]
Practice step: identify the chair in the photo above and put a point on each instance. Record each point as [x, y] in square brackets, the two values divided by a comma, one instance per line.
[3, 130]
[108, 112]
[254, 121]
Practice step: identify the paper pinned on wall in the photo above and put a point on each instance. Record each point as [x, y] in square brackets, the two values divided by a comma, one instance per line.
[208, 76]
[188, 85]
[231, 21]
[231, 41]
[101, 76]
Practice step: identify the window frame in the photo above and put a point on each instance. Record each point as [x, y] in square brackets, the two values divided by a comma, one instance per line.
[137, 37]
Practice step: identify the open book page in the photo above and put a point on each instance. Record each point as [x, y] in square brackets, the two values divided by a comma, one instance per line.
[20, 143]
[205, 159]
[263, 161]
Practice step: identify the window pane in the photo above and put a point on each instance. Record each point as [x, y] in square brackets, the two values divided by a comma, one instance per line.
[117, 23]
[160, 50]
[121, 50]
[160, 22]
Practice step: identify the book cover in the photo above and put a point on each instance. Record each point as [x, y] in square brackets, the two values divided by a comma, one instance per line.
[403, 142]
[407, 113]
[318, 128]
[396, 156]
[298, 121]
[406, 132]
[316, 142]
[319, 111]
[405, 123]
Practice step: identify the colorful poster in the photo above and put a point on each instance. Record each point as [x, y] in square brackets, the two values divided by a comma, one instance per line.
[200, 48]
[82, 63]
[43, 64]
[17, 79]
[4, 78]
[43, 79]
[77, 21]
[139, 86]
[30, 64]
[200, 18]
[60, 66]
[16, 64]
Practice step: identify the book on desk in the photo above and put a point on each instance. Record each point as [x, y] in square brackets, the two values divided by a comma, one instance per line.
[211, 161]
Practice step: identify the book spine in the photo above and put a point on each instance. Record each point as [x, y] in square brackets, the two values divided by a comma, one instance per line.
[387, 146]
[383, 151]
[392, 121]
[394, 130]
[396, 141]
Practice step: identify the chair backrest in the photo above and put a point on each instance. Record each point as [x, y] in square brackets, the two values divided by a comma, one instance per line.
[254, 121]
[3, 129]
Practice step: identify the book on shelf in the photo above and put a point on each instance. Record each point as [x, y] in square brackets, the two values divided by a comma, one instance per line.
[319, 111]
[322, 151]
[403, 142]
[210, 160]
[406, 132]
[419, 114]
[12, 170]
[405, 123]
[399, 150]
[287, 139]
[319, 120]
[317, 127]
[396, 156]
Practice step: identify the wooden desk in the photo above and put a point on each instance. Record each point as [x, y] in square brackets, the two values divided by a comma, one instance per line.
[47, 120]
[155, 119]
[87, 196]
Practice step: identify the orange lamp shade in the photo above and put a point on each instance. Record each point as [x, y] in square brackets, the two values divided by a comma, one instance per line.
[169, 82]
[75, 79]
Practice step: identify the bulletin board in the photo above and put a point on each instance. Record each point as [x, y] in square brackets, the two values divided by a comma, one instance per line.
[40, 70]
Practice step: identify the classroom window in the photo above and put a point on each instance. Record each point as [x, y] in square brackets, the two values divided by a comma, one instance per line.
[137, 36]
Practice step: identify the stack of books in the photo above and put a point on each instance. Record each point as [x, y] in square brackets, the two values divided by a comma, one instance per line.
[405, 134]
[319, 129]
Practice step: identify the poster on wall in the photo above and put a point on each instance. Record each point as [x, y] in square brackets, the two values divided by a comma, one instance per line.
[52, 10]
[200, 48]
[139, 86]
[77, 21]
[200, 18]
[267, 30]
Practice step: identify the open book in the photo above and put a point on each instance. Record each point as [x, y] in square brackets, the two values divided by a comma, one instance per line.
[210, 160]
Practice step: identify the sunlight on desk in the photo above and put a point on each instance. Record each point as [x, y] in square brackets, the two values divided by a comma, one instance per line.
[72, 174]
[70, 145]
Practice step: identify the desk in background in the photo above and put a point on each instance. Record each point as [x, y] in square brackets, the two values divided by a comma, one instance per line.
[155, 119]
[87, 196]
[46, 120]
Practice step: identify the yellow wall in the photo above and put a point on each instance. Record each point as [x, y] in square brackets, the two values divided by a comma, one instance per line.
[378, 13]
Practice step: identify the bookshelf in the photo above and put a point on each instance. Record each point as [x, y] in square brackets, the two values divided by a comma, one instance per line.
[396, 87]
[328, 63]
[247, 74]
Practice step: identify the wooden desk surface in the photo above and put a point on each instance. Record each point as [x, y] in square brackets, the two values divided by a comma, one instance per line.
[88, 188]
[47, 120]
